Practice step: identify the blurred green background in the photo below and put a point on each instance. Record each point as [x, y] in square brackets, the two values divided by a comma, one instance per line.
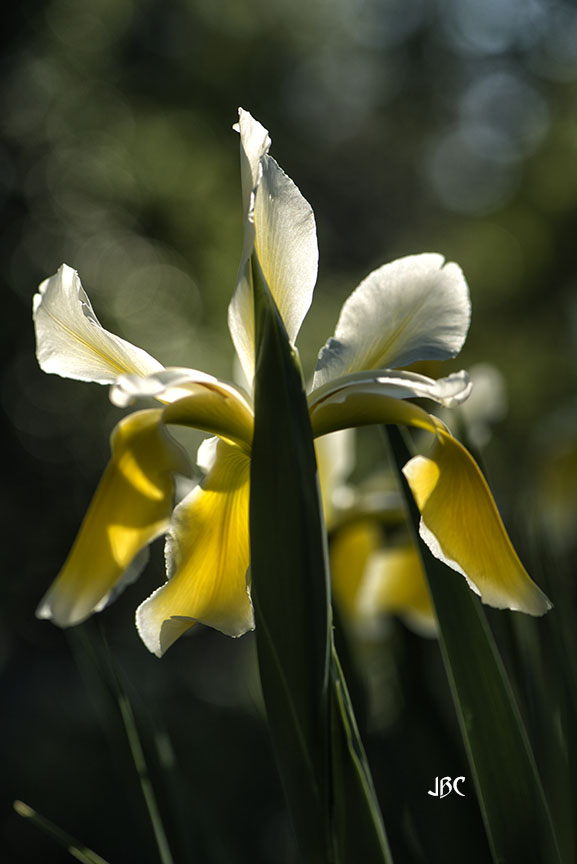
[409, 126]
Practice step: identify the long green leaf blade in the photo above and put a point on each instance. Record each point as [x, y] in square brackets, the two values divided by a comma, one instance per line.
[358, 824]
[290, 579]
[509, 789]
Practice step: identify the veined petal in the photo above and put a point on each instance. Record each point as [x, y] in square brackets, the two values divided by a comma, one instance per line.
[131, 507]
[449, 391]
[254, 145]
[412, 309]
[462, 526]
[282, 232]
[207, 555]
[71, 342]
[286, 244]
[394, 583]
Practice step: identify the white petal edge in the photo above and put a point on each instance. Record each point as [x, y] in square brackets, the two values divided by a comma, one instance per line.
[415, 308]
[280, 228]
[449, 391]
[168, 385]
[71, 342]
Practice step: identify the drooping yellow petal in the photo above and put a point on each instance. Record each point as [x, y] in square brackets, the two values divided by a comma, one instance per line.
[462, 526]
[207, 557]
[395, 583]
[461, 523]
[350, 548]
[131, 507]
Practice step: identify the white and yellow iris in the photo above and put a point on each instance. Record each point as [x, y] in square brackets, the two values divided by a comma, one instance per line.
[413, 309]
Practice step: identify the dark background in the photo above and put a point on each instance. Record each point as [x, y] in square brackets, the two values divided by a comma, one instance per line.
[410, 126]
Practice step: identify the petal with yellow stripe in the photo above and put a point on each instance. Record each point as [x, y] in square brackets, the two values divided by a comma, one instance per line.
[131, 507]
[207, 554]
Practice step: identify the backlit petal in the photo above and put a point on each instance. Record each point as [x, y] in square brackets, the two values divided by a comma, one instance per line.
[351, 407]
[194, 399]
[462, 526]
[449, 391]
[286, 244]
[207, 555]
[254, 145]
[71, 342]
[281, 229]
[416, 308]
[131, 507]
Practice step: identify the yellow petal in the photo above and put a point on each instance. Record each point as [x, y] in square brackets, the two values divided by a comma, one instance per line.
[217, 410]
[350, 549]
[461, 525]
[207, 559]
[395, 583]
[131, 507]
[353, 406]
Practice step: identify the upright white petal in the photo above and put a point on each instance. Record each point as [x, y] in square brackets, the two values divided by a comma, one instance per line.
[254, 145]
[286, 244]
[71, 342]
[416, 308]
[280, 229]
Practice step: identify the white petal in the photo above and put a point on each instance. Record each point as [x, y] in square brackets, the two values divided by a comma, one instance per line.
[167, 385]
[280, 228]
[286, 244]
[71, 342]
[449, 391]
[254, 144]
[412, 309]
[241, 320]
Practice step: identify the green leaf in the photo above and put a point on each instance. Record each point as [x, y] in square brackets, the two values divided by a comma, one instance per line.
[509, 790]
[358, 825]
[322, 762]
[289, 578]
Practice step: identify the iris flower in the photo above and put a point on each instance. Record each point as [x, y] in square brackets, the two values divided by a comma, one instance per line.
[413, 309]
